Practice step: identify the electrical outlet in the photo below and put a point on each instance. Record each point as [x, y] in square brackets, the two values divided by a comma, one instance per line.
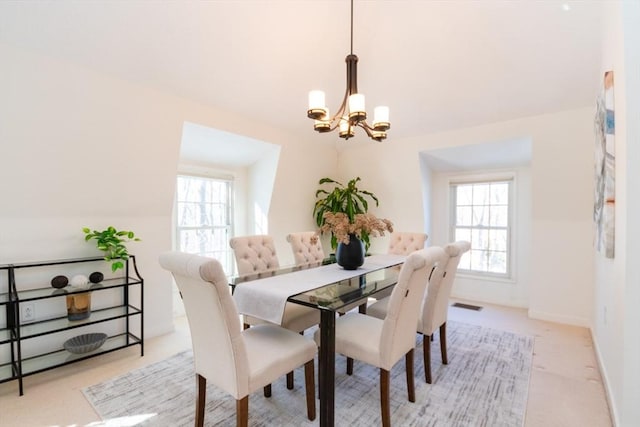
[28, 312]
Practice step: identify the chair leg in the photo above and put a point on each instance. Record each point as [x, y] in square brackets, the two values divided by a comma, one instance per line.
[310, 387]
[290, 380]
[349, 366]
[267, 390]
[443, 343]
[426, 349]
[290, 374]
[202, 399]
[362, 308]
[411, 389]
[242, 412]
[246, 325]
[384, 398]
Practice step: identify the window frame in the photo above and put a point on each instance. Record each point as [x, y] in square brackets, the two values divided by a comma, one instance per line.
[228, 263]
[509, 177]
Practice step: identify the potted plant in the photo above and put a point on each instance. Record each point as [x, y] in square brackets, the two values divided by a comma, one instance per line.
[343, 212]
[349, 200]
[351, 249]
[112, 243]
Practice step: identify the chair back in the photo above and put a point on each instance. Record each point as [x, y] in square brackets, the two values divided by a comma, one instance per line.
[219, 350]
[403, 243]
[436, 301]
[254, 254]
[399, 328]
[306, 247]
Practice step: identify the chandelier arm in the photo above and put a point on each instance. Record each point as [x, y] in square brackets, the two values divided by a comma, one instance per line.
[334, 126]
[341, 110]
[364, 125]
[371, 132]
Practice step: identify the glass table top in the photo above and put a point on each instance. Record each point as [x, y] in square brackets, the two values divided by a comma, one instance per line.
[346, 292]
[236, 280]
[336, 295]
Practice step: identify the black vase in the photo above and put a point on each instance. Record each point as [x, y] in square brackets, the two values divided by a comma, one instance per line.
[350, 256]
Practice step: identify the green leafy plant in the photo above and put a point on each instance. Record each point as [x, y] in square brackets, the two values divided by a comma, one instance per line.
[112, 243]
[349, 200]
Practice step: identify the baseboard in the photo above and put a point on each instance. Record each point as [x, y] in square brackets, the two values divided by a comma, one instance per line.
[558, 318]
[605, 381]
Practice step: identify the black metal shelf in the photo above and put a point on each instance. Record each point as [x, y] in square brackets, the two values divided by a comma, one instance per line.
[44, 362]
[16, 367]
[51, 326]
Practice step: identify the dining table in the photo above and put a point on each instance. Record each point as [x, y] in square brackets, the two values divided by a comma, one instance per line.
[326, 287]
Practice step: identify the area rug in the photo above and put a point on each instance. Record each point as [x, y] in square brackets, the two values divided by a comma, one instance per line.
[485, 384]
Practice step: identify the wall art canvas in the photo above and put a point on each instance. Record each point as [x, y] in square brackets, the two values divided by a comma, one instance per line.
[605, 198]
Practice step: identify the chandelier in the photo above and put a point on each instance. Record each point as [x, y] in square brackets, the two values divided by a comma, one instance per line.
[351, 113]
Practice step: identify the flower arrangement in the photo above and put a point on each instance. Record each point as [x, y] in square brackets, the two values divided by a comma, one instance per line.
[363, 226]
[349, 202]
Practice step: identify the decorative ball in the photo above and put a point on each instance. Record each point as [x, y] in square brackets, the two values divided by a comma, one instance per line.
[80, 281]
[59, 282]
[96, 277]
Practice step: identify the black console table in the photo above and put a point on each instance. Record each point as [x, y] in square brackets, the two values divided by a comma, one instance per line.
[35, 314]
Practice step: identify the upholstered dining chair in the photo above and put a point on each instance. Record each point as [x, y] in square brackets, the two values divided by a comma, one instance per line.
[435, 305]
[382, 342]
[400, 243]
[254, 254]
[257, 254]
[235, 360]
[403, 242]
[306, 247]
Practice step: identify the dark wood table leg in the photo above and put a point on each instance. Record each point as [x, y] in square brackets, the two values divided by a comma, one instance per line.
[327, 367]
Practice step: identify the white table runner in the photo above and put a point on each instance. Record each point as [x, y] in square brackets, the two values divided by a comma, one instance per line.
[265, 298]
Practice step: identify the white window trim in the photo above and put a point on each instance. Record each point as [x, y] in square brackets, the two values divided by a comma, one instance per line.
[200, 172]
[505, 175]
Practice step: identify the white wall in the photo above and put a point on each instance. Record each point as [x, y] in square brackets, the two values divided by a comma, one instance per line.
[80, 148]
[300, 168]
[261, 179]
[561, 195]
[631, 125]
[616, 325]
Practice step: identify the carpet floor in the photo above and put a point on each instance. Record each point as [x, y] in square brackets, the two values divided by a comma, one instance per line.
[485, 384]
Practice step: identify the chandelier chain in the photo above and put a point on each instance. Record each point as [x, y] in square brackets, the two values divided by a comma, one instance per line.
[351, 51]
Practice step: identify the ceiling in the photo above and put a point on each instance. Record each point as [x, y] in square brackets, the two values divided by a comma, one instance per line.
[231, 150]
[438, 65]
[489, 155]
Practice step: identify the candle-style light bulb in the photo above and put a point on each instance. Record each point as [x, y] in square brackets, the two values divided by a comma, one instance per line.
[356, 107]
[317, 107]
[381, 118]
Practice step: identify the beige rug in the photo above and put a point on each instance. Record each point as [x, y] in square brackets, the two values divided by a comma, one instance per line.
[485, 384]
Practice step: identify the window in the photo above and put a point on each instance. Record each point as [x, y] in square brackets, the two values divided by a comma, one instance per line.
[481, 214]
[204, 218]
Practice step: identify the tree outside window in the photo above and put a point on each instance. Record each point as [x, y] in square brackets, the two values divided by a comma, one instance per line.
[481, 215]
[204, 218]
